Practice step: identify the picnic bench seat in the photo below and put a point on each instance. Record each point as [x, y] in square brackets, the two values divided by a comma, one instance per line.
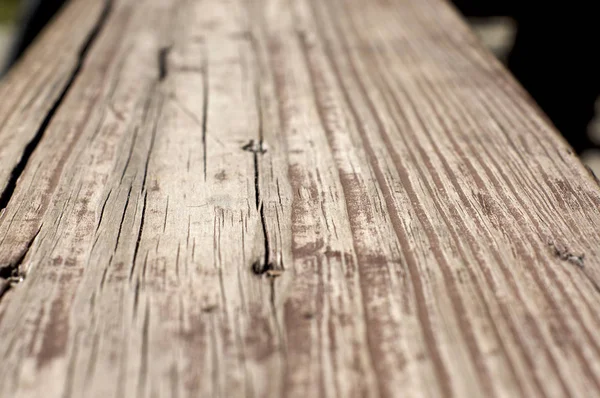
[309, 198]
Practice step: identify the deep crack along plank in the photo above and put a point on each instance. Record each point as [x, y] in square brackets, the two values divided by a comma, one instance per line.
[30, 93]
[287, 198]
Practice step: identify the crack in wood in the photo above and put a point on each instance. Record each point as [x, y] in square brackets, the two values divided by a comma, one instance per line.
[123, 219]
[131, 147]
[259, 268]
[267, 266]
[12, 274]
[152, 140]
[139, 237]
[32, 145]
[258, 148]
[144, 191]
[205, 108]
[166, 215]
[136, 298]
[163, 68]
[102, 210]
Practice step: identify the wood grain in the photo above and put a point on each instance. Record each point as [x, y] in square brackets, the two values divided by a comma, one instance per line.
[277, 198]
[31, 92]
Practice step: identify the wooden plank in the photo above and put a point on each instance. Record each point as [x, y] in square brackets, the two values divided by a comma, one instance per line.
[33, 89]
[309, 198]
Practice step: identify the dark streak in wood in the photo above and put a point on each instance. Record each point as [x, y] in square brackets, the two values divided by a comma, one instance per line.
[163, 69]
[139, 237]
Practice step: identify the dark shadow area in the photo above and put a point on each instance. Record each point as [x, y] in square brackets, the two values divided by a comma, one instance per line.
[554, 57]
[33, 15]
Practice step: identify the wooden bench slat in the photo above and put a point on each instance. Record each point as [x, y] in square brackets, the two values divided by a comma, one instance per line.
[308, 198]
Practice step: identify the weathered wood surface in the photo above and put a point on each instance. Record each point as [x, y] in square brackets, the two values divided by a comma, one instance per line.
[287, 198]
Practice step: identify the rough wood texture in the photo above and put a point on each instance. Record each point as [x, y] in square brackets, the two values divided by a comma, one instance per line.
[32, 91]
[287, 198]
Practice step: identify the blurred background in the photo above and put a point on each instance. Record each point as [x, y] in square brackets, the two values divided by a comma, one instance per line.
[8, 14]
[550, 47]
